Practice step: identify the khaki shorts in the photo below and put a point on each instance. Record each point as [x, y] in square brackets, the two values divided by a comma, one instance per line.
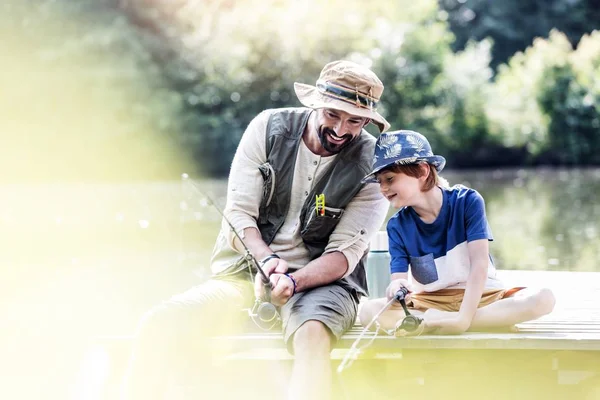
[451, 299]
[333, 305]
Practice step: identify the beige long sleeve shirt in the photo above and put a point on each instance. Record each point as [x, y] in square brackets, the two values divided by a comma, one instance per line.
[363, 216]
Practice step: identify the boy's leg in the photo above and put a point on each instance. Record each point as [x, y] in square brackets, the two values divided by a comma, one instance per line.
[388, 319]
[174, 332]
[526, 305]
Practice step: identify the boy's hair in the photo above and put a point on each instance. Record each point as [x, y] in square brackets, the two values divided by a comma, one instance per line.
[415, 170]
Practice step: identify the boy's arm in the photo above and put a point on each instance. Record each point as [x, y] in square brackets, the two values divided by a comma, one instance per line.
[479, 256]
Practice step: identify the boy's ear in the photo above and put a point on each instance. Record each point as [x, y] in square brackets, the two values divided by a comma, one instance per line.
[425, 171]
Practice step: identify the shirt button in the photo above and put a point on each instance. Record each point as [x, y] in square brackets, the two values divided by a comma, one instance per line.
[314, 162]
[310, 178]
[306, 193]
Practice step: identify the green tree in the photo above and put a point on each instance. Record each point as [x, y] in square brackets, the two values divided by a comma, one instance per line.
[514, 24]
[86, 99]
[244, 57]
[547, 100]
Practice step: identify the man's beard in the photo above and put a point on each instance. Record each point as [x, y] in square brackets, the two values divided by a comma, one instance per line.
[333, 148]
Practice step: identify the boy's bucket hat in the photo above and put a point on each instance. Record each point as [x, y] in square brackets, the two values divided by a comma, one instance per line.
[345, 86]
[402, 148]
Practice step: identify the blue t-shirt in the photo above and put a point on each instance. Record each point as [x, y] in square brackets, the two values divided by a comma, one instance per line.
[436, 254]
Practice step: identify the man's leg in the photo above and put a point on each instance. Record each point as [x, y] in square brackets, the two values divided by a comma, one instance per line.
[311, 374]
[174, 332]
[312, 322]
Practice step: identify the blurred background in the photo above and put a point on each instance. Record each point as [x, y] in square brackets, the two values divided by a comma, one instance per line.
[104, 104]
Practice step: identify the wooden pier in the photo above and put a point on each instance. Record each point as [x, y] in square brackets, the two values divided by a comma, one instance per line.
[573, 325]
[555, 357]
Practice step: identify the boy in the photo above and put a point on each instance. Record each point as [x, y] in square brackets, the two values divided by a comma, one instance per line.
[441, 234]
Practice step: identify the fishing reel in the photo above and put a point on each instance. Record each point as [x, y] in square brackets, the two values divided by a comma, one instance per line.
[410, 323]
[265, 315]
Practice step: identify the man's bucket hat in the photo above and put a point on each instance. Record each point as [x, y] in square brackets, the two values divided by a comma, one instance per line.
[345, 86]
[402, 148]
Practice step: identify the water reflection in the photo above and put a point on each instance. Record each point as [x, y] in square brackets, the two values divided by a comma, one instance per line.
[542, 219]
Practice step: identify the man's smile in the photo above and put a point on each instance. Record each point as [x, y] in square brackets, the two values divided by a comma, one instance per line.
[335, 138]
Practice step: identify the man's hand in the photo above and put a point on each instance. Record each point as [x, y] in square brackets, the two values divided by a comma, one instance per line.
[274, 265]
[283, 289]
[395, 285]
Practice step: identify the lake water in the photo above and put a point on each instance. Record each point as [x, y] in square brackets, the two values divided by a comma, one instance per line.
[88, 259]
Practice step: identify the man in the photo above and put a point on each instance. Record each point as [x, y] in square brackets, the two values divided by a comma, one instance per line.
[295, 198]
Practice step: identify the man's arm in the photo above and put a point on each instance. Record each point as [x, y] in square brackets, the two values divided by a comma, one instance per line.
[244, 187]
[362, 218]
[321, 271]
[348, 242]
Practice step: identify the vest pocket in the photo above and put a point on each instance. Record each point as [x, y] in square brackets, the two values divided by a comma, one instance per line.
[321, 226]
[423, 269]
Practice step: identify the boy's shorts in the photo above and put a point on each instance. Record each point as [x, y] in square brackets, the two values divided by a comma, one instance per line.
[451, 299]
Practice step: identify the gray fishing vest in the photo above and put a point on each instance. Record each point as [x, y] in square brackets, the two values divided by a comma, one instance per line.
[340, 183]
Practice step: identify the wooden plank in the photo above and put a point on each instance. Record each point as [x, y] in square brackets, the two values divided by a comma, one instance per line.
[573, 325]
[581, 341]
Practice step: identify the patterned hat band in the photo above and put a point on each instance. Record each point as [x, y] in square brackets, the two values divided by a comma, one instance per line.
[402, 147]
[346, 94]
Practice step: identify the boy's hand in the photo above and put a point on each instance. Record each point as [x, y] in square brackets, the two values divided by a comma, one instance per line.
[395, 285]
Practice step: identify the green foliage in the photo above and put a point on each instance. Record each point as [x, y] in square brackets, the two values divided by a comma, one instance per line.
[573, 105]
[86, 99]
[439, 93]
[250, 59]
[574, 118]
[156, 82]
[253, 52]
[514, 24]
[514, 113]
[547, 100]
[246, 62]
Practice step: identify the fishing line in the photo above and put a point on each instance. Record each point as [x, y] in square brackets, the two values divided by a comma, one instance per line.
[409, 323]
[264, 314]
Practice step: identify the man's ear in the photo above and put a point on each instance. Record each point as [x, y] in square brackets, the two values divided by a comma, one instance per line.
[367, 122]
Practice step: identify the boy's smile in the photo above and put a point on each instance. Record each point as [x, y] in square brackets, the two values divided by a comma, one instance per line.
[399, 189]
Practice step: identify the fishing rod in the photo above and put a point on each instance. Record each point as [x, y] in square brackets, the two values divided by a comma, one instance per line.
[409, 323]
[263, 309]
